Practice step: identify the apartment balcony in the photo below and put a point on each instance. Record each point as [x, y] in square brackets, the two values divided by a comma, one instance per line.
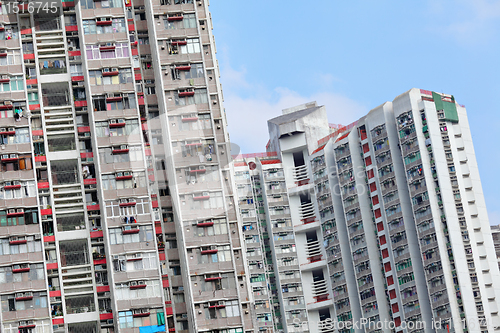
[306, 213]
[326, 326]
[320, 291]
[315, 258]
[300, 175]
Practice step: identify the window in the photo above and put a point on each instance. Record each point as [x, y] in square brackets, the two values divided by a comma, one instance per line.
[15, 84]
[13, 57]
[8, 274]
[24, 301]
[131, 127]
[31, 245]
[222, 281]
[90, 4]
[30, 217]
[196, 71]
[213, 200]
[380, 144]
[135, 262]
[222, 253]
[192, 46]
[106, 155]
[121, 50]
[412, 158]
[188, 21]
[22, 135]
[137, 180]
[156, 317]
[27, 189]
[113, 208]
[123, 291]
[117, 25]
[219, 227]
[200, 97]
[10, 32]
[76, 69]
[117, 237]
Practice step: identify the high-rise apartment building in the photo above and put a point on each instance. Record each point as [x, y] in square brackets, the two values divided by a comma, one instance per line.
[495, 233]
[388, 214]
[117, 206]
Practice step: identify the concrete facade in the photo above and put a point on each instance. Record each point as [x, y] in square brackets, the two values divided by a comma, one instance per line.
[118, 210]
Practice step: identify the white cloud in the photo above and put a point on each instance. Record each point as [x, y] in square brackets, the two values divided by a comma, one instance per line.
[247, 116]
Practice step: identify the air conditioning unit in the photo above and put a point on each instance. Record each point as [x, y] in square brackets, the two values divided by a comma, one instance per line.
[115, 257]
[112, 121]
[11, 129]
[84, 108]
[70, 48]
[141, 282]
[114, 69]
[123, 147]
[109, 321]
[105, 70]
[133, 283]
[12, 211]
[13, 155]
[149, 81]
[122, 200]
[138, 255]
[184, 315]
[127, 173]
[131, 200]
[20, 210]
[16, 182]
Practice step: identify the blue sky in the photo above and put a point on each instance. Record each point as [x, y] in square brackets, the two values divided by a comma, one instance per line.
[352, 56]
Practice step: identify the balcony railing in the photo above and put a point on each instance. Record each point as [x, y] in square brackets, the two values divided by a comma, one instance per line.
[320, 291]
[313, 251]
[306, 213]
[301, 175]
